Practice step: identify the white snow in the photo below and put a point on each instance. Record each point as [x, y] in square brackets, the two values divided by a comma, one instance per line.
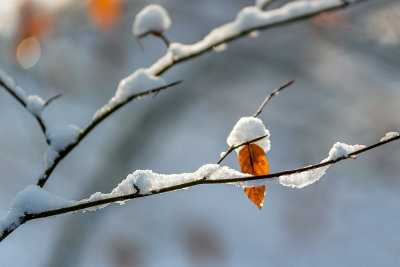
[32, 199]
[247, 19]
[262, 3]
[389, 135]
[300, 180]
[60, 137]
[148, 181]
[151, 19]
[247, 129]
[35, 104]
[135, 83]
[342, 150]
[9, 82]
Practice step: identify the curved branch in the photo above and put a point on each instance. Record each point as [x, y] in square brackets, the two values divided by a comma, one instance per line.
[137, 194]
[46, 174]
[25, 105]
[168, 60]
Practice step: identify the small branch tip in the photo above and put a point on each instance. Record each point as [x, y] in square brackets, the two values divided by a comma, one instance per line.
[51, 99]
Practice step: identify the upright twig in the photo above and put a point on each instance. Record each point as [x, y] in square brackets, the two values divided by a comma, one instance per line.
[274, 92]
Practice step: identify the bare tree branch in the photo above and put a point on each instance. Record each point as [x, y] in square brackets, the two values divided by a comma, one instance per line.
[276, 91]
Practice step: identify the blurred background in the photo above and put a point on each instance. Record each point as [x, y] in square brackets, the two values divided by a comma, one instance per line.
[346, 65]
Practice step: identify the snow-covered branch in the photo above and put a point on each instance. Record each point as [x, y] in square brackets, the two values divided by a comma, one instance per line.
[144, 183]
[33, 103]
[57, 152]
[248, 20]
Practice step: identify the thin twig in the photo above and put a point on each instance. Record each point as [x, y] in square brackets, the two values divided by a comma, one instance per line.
[232, 148]
[24, 104]
[276, 91]
[46, 174]
[165, 40]
[89, 204]
[51, 99]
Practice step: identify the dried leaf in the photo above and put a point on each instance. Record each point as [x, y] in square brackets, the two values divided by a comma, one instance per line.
[256, 195]
[104, 14]
[252, 160]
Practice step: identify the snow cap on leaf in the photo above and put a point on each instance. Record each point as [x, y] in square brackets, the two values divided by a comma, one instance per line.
[247, 129]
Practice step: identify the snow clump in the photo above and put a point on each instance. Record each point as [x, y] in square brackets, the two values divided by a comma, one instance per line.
[135, 83]
[60, 137]
[302, 179]
[32, 199]
[389, 135]
[151, 19]
[247, 129]
[35, 105]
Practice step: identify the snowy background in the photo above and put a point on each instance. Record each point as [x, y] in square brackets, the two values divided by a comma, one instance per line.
[346, 68]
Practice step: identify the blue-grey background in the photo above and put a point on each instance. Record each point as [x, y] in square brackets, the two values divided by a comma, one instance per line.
[346, 67]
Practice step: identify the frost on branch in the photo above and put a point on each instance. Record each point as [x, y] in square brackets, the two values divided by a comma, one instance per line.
[247, 129]
[249, 18]
[148, 181]
[262, 3]
[60, 137]
[9, 82]
[135, 83]
[35, 104]
[151, 19]
[389, 135]
[32, 199]
[300, 180]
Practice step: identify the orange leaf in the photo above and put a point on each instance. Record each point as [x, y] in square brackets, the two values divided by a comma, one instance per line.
[252, 160]
[256, 195]
[104, 14]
